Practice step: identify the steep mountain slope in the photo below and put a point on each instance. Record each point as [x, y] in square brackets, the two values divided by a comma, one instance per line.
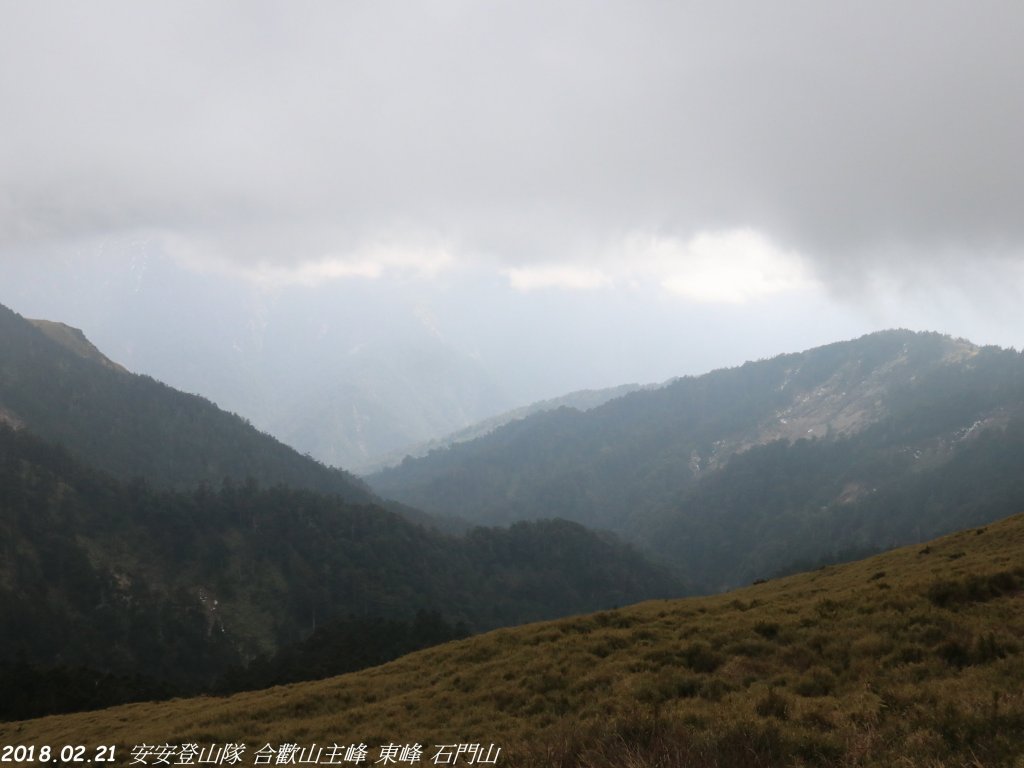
[785, 507]
[343, 373]
[74, 340]
[176, 586]
[910, 658]
[742, 472]
[133, 426]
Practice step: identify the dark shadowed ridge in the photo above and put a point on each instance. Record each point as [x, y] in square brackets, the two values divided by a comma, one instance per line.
[56, 384]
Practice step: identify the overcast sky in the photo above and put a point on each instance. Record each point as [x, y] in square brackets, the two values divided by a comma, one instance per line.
[783, 172]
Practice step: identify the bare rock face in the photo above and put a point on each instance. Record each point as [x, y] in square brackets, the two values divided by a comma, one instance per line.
[850, 400]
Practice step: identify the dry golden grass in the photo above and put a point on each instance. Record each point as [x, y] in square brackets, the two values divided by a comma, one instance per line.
[911, 658]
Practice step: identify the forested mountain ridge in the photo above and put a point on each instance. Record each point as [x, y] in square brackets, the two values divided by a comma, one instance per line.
[178, 586]
[134, 426]
[743, 472]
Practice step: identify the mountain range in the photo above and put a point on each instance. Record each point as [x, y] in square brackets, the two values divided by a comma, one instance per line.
[156, 545]
[745, 472]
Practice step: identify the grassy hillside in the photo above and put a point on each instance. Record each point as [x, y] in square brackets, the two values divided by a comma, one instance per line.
[75, 341]
[911, 658]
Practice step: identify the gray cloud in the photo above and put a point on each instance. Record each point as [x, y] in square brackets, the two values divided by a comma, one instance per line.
[517, 131]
